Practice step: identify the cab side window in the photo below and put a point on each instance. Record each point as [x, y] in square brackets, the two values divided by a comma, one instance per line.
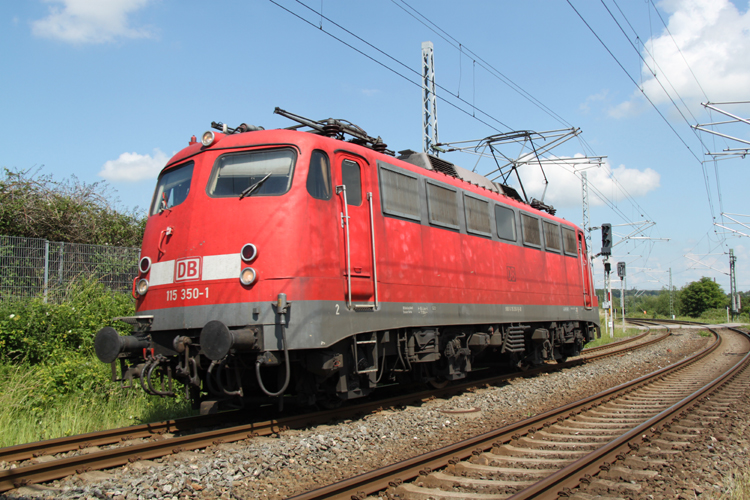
[351, 178]
[505, 219]
[319, 176]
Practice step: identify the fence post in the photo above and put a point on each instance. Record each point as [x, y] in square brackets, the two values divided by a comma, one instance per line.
[46, 269]
[60, 272]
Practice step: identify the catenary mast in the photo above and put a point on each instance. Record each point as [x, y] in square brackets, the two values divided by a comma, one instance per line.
[429, 104]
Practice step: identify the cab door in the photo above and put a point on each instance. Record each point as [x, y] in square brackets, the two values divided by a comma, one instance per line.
[351, 180]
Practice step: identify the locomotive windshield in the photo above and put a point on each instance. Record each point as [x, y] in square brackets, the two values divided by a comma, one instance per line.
[254, 173]
[172, 188]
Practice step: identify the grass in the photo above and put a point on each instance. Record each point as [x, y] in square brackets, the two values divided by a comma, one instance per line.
[32, 409]
[619, 334]
[52, 384]
[738, 483]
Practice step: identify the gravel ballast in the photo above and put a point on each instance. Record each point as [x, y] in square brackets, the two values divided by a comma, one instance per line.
[295, 461]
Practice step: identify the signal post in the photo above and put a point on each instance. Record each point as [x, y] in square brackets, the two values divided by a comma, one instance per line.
[621, 274]
[606, 252]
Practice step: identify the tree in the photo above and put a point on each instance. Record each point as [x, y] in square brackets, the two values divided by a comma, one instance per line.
[33, 205]
[700, 296]
[654, 304]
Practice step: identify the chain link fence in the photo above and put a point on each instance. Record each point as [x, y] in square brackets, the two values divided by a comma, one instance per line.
[32, 266]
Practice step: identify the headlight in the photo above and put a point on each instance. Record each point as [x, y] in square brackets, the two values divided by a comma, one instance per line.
[208, 138]
[142, 287]
[247, 276]
[144, 265]
[248, 252]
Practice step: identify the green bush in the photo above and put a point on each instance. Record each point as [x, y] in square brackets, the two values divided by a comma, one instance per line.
[53, 385]
[33, 331]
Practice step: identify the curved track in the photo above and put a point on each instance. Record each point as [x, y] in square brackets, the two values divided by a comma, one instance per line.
[582, 446]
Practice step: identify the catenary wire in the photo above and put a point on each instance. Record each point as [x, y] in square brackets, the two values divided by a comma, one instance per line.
[483, 64]
[653, 58]
[656, 78]
[393, 59]
[708, 191]
[713, 137]
[460, 46]
[595, 191]
[678, 50]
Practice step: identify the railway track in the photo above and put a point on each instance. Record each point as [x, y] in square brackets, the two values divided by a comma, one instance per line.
[608, 445]
[646, 323]
[117, 447]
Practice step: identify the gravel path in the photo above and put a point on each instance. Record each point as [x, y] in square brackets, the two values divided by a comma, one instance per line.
[298, 460]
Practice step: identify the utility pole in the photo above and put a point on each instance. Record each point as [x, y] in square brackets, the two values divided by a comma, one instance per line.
[429, 101]
[608, 298]
[606, 252]
[621, 274]
[586, 222]
[735, 309]
[671, 295]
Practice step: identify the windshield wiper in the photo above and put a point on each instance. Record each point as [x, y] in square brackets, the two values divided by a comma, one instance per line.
[248, 191]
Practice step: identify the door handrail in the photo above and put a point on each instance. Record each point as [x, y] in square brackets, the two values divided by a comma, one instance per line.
[345, 224]
[374, 258]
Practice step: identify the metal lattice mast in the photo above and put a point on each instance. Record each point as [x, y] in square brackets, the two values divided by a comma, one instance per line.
[429, 104]
[586, 221]
[733, 283]
[671, 296]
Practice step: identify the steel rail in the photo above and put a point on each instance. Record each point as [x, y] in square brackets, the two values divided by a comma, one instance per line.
[107, 437]
[392, 475]
[617, 343]
[667, 321]
[569, 477]
[114, 457]
[112, 436]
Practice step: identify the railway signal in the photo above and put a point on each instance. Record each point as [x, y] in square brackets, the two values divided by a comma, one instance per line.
[621, 270]
[606, 239]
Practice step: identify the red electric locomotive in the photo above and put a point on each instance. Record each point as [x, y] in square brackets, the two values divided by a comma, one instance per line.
[298, 263]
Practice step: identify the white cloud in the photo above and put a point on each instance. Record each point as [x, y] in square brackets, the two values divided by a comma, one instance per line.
[633, 107]
[132, 167]
[565, 187]
[714, 38]
[90, 21]
[585, 107]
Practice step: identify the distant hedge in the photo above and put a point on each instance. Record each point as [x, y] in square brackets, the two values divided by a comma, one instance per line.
[34, 205]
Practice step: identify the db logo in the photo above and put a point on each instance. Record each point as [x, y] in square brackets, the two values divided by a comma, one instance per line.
[187, 269]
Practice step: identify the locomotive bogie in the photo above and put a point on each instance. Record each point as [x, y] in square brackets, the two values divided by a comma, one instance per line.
[283, 262]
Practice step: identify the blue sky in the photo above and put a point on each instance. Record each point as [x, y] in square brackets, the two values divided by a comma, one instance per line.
[110, 90]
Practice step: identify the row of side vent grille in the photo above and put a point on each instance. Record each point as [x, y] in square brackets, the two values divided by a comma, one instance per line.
[514, 340]
[443, 166]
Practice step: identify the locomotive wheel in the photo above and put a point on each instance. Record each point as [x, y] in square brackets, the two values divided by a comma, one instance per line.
[439, 382]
